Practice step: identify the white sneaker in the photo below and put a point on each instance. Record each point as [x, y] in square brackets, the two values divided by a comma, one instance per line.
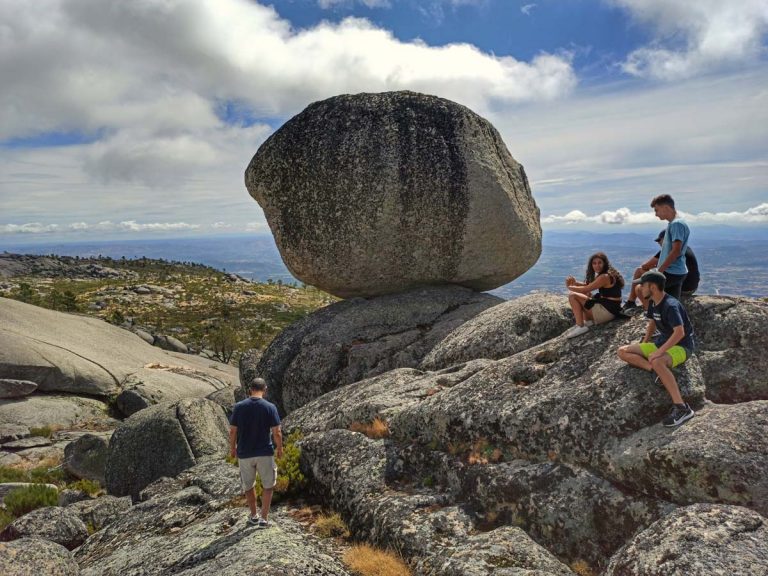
[571, 329]
[589, 323]
[577, 331]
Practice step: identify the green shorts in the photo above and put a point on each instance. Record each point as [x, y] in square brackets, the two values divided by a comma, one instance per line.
[677, 353]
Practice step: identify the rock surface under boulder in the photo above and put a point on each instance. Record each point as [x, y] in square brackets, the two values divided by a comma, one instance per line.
[354, 339]
[561, 439]
[425, 184]
[16, 388]
[164, 440]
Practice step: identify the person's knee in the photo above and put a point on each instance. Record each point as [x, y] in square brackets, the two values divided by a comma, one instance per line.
[638, 272]
[660, 364]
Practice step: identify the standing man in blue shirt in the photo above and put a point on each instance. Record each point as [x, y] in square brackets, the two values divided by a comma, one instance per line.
[253, 425]
[673, 248]
[672, 335]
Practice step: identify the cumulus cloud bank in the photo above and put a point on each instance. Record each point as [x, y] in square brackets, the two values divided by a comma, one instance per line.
[713, 33]
[757, 214]
[105, 226]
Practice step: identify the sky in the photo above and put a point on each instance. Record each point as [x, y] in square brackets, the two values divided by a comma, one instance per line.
[138, 119]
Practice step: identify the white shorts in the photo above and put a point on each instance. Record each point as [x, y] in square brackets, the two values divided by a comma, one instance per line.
[264, 466]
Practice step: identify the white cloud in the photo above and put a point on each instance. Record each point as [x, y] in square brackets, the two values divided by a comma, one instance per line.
[755, 215]
[692, 38]
[325, 4]
[527, 9]
[104, 226]
[256, 227]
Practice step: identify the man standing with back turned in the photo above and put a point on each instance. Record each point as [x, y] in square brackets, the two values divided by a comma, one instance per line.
[251, 423]
[672, 256]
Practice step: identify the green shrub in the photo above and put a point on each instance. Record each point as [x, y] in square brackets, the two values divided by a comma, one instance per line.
[44, 431]
[8, 474]
[5, 518]
[88, 486]
[290, 480]
[22, 500]
[46, 475]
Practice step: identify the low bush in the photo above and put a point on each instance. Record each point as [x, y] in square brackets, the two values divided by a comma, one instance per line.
[23, 500]
[5, 518]
[377, 428]
[88, 486]
[331, 526]
[44, 431]
[368, 561]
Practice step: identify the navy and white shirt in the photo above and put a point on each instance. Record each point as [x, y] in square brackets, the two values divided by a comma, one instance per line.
[254, 418]
[668, 314]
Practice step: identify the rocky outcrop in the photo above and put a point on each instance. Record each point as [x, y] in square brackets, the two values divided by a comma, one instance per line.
[16, 388]
[730, 333]
[561, 439]
[503, 330]
[86, 457]
[423, 183]
[701, 539]
[36, 411]
[161, 441]
[59, 525]
[192, 525]
[351, 340]
[100, 512]
[80, 355]
[32, 556]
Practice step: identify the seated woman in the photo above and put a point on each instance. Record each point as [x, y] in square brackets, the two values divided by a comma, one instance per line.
[604, 278]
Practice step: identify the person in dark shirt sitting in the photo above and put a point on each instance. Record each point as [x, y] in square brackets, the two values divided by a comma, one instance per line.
[690, 284]
[604, 278]
[253, 425]
[673, 344]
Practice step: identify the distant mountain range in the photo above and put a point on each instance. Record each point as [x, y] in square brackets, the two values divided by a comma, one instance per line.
[733, 260]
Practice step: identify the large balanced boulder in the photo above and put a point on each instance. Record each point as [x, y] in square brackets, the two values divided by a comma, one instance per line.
[164, 440]
[424, 184]
[354, 339]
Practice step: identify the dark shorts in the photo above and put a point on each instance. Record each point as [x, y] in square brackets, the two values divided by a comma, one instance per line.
[674, 284]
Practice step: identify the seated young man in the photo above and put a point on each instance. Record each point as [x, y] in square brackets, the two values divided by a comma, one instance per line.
[672, 334]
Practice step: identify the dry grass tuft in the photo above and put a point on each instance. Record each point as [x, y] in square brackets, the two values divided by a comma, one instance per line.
[378, 428]
[331, 526]
[582, 568]
[368, 561]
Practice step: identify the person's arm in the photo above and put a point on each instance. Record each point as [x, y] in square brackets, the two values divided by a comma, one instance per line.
[678, 333]
[673, 255]
[649, 330]
[233, 441]
[277, 438]
[650, 263]
[600, 282]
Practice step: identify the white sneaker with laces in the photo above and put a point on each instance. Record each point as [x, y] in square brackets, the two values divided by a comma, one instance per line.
[589, 323]
[578, 331]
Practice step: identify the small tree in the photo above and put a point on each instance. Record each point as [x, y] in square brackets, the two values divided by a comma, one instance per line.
[224, 341]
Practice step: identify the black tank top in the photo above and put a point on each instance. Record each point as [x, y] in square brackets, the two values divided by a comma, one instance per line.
[612, 292]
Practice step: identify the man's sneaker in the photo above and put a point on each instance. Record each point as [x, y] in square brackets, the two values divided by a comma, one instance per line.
[263, 524]
[254, 520]
[678, 415]
[577, 331]
[629, 306]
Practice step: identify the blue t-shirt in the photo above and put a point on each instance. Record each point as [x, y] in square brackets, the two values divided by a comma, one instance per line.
[676, 230]
[667, 314]
[254, 418]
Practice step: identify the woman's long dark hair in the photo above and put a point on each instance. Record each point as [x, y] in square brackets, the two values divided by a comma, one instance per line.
[607, 269]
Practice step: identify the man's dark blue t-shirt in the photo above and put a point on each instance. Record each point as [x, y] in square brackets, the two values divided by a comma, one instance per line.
[254, 417]
[667, 314]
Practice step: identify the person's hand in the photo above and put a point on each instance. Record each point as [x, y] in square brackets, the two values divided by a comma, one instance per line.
[655, 355]
[570, 281]
[280, 452]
